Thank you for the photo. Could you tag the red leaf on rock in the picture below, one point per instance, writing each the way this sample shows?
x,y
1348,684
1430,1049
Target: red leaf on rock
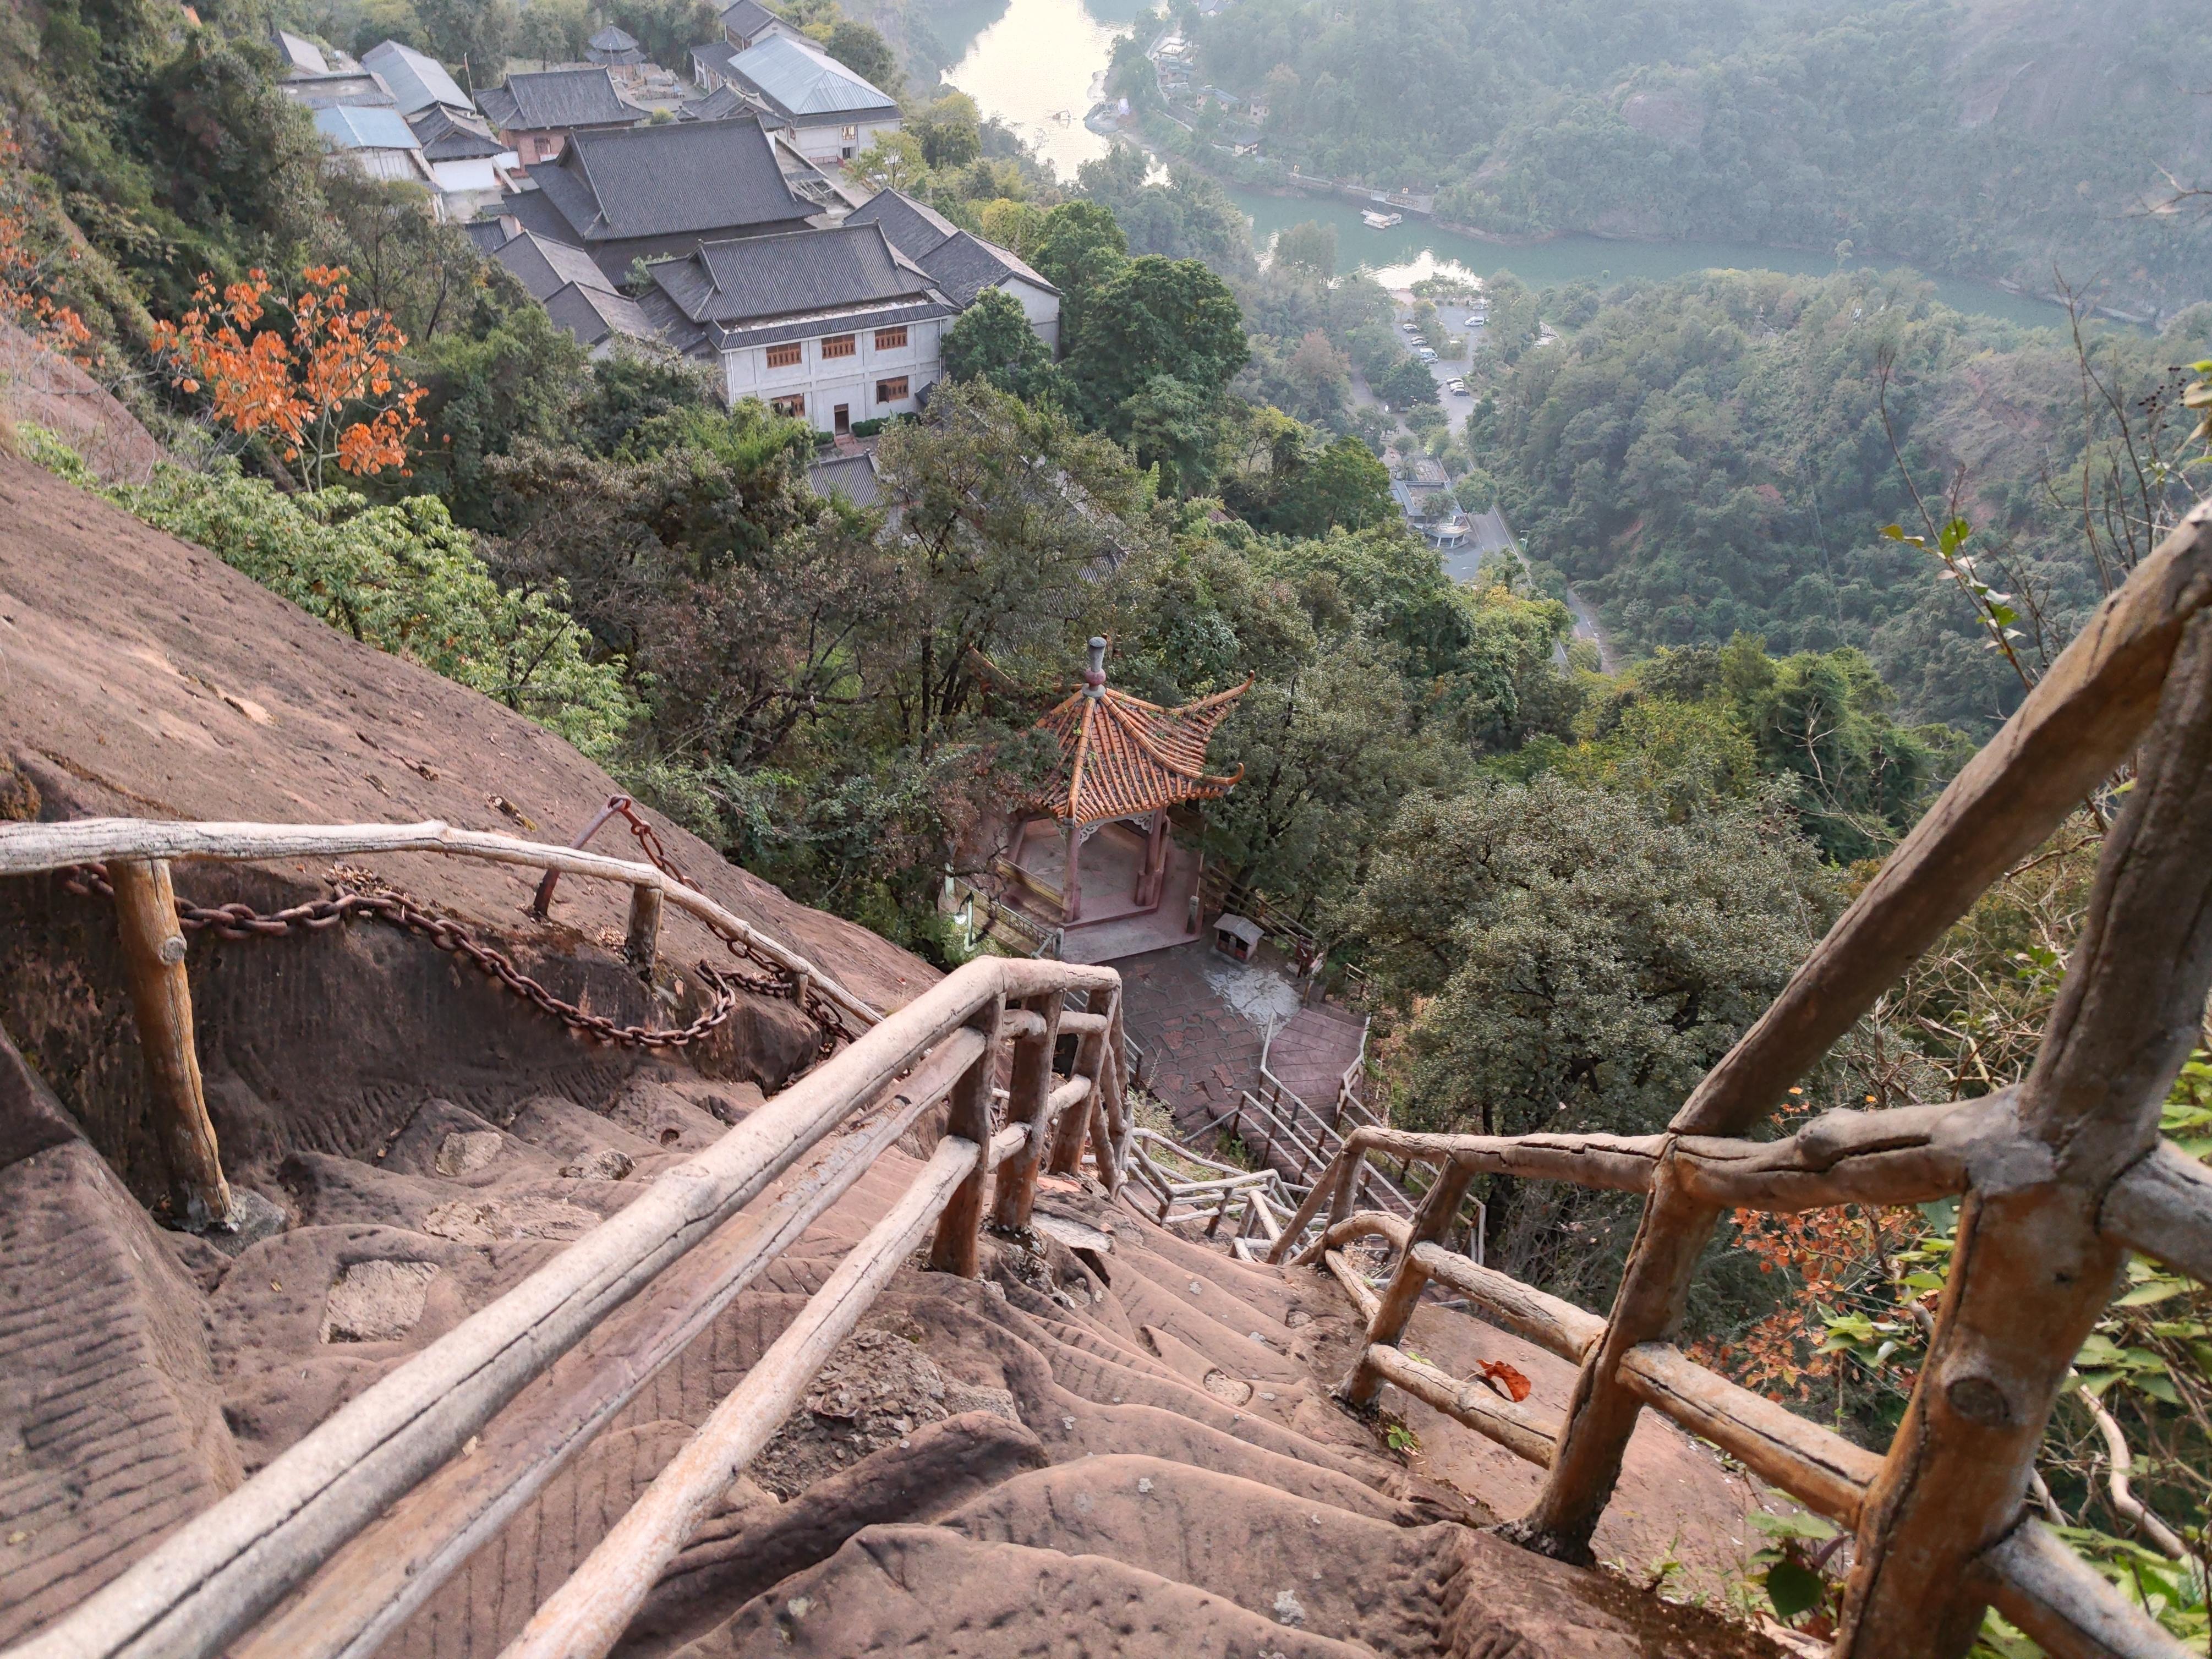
x,y
1504,1378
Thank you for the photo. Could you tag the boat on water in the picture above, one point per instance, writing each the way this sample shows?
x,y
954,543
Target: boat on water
x,y
1375,220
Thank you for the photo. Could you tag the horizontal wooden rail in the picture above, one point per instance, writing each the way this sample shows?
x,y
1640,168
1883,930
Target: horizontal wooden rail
x,y
2061,1602
206,1583
1362,1294
1555,1325
588,1613
30,848
1513,1426
2034,1579
372,1585
1817,1466
2162,1206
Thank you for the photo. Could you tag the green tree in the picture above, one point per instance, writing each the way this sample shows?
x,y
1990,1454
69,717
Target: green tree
x,y
1010,516
1309,247
992,341
666,30
865,52
893,161
469,34
1326,757
554,31
1580,962
1174,427
1343,486
1152,317
1407,385
1080,249
949,131
404,579
510,376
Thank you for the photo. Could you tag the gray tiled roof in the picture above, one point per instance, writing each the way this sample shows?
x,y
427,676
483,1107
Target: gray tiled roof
x,y
680,179
558,101
301,56
723,104
415,80
914,229
611,39
532,210
490,235
964,265
446,137
546,267
801,81
759,278
852,476
714,56
591,314
810,325
747,18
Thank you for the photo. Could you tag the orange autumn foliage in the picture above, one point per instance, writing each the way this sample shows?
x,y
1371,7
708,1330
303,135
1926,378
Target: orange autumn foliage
x,y
24,299
1834,1254
325,390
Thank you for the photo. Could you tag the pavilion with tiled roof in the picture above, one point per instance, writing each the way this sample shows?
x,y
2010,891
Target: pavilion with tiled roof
x,y
1121,757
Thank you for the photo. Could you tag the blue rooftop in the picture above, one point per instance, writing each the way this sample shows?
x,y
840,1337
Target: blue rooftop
x,y
353,128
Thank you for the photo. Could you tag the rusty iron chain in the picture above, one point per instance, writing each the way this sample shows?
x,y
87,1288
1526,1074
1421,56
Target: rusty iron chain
x,y
240,922
811,1002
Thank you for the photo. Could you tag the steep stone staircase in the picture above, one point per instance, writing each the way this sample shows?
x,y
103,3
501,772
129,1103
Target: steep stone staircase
x,y
1114,1441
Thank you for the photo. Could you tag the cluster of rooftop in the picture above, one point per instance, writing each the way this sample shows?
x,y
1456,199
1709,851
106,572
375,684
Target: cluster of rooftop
x,y
729,233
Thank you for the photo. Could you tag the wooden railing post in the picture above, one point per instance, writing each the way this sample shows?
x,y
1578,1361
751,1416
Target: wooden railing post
x,y
1363,1383
641,942
1090,1062
1029,1102
967,1114
2031,1271
2074,729
162,1002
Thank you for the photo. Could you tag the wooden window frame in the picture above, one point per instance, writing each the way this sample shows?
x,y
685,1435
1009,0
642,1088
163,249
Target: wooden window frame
x,y
885,395
840,346
891,339
791,405
790,355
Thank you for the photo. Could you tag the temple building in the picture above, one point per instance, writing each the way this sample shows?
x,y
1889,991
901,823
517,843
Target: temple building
x,y
1102,820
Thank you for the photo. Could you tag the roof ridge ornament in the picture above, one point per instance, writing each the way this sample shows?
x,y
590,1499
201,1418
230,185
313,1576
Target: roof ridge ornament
x,y
1122,756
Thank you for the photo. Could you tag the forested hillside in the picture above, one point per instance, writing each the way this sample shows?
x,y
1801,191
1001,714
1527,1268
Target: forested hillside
x,y
1712,455
1567,892
2001,138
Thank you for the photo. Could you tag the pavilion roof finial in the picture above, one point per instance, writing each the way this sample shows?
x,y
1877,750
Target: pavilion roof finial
x,y
1121,757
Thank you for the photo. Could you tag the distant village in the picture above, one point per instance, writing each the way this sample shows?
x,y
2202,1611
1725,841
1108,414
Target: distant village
x,y
711,215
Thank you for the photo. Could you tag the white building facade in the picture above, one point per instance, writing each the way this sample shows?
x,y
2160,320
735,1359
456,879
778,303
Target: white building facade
x,y
839,377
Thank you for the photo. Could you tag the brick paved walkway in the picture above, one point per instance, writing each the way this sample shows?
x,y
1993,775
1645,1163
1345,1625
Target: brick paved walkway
x,y
1310,1054
1200,1052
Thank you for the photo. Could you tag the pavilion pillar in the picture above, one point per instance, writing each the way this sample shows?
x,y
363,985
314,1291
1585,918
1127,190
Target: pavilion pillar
x,y
1071,904
1155,871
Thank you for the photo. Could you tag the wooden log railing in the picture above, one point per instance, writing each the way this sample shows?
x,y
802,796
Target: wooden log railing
x,y
2058,1178
361,1519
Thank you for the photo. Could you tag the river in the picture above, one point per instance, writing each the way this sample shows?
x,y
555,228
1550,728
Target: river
x,y
1036,65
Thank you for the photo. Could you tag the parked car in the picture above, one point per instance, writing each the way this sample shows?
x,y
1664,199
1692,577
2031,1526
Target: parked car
x,y
1409,328
1457,388
1427,355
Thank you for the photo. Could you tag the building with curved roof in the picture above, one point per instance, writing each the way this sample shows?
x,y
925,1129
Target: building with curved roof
x,y
831,112
1124,765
